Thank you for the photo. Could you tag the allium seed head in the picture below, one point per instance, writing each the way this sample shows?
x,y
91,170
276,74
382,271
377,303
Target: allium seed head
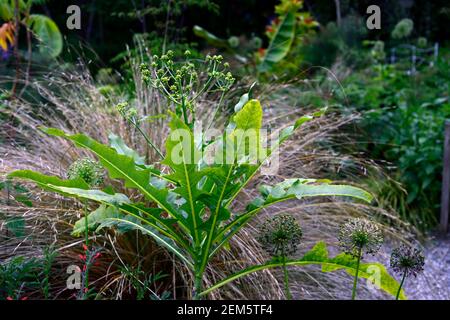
x,y
88,170
360,235
402,29
407,260
280,235
233,41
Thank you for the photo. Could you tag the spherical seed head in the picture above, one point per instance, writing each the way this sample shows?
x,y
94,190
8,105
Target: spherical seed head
x,y
360,235
88,170
280,235
422,42
407,260
233,41
403,29
256,42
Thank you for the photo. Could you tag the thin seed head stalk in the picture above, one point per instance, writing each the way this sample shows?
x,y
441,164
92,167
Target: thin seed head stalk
x,y
357,237
406,262
93,174
280,236
131,115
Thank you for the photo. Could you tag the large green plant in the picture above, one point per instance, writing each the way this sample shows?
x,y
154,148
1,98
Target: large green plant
x,y
187,199
188,210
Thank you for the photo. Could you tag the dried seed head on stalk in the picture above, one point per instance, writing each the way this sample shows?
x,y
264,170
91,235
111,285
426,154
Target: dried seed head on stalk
x,y
280,235
407,260
360,235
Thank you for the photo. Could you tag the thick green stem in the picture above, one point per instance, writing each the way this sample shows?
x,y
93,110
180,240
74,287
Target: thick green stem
x,y
400,287
183,108
355,282
198,286
286,280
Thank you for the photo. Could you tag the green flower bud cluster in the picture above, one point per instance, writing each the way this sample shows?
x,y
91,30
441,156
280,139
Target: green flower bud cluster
x,y
224,80
88,170
126,111
182,82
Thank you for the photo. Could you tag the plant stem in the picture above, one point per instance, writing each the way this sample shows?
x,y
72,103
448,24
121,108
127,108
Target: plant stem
x,y
27,72
183,108
215,111
198,283
86,240
286,280
166,29
401,285
16,46
355,282
149,142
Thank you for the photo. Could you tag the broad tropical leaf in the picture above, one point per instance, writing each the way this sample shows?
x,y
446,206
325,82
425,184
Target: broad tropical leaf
x,y
301,188
119,145
183,156
46,30
288,189
47,182
280,44
6,10
95,218
147,220
123,167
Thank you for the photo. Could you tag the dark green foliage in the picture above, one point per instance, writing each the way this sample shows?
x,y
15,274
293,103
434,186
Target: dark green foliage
x,y
16,276
14,192
403,117
323,48
21,275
